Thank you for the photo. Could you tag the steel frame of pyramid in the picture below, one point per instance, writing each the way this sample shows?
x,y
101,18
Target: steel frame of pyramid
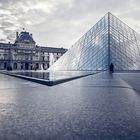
x,y
108,41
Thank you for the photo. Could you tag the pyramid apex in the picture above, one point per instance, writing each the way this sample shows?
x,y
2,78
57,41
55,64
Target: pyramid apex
x,y
109,13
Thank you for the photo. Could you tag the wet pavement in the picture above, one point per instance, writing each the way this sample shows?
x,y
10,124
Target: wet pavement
x,y
97,107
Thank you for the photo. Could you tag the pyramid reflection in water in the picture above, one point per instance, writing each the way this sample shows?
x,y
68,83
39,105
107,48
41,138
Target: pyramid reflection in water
x,y
108,41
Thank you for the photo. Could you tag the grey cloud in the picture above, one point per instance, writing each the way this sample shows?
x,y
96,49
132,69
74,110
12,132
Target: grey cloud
x,y
77,19
63,22
19,17
2,40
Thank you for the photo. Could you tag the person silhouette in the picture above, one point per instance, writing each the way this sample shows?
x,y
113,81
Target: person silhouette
x,y
111,68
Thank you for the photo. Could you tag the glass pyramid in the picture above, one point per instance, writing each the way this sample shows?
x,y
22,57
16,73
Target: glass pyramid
x,y
108,41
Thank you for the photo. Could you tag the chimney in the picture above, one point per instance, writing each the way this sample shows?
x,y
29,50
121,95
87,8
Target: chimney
x,y
16,35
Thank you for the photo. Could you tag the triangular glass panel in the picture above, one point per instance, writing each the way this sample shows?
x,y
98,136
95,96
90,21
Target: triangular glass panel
x,y
124,45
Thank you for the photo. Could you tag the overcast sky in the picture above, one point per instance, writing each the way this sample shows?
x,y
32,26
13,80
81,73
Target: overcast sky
x,y
60,23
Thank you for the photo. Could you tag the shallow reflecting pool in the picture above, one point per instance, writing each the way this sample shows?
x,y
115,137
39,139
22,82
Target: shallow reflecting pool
x,y
53,75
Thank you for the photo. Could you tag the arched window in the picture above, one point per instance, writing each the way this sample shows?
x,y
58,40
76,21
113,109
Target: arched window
x,y
15,66
26,66
5,65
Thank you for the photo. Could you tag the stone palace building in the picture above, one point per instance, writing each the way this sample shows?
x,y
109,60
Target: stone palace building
x,y
24,54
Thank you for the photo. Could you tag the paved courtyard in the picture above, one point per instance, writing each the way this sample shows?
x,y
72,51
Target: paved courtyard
x,y
97,107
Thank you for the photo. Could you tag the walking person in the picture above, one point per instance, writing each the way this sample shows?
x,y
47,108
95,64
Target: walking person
x,y
111,68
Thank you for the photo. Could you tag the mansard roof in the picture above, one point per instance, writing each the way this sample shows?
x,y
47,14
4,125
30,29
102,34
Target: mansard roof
x,y
25,37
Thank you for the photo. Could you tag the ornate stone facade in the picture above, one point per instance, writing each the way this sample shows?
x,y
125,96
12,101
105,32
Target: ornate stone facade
x,y
24,54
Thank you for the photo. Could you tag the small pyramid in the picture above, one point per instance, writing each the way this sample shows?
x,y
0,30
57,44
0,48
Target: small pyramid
x,y
108,41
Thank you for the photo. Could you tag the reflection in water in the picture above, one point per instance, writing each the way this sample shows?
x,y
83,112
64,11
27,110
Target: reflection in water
x,y
53,75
